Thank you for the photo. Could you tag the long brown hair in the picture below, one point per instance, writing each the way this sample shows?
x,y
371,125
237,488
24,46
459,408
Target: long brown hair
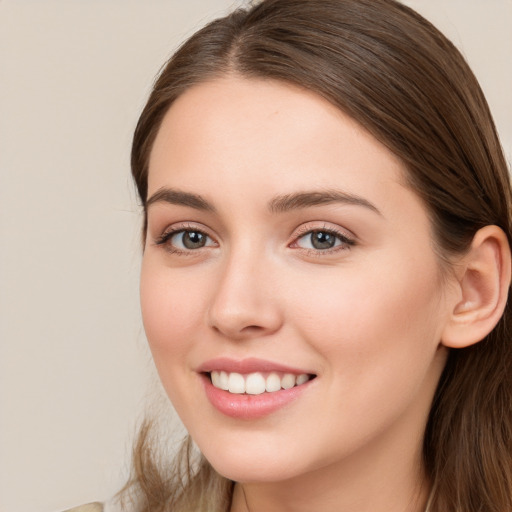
x,y
400,78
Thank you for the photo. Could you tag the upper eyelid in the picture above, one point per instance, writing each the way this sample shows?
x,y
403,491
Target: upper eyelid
x,y
309,227
347,238
186,226
299,232
165,236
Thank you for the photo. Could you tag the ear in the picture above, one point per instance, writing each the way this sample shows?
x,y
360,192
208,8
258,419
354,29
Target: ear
x,y
482,289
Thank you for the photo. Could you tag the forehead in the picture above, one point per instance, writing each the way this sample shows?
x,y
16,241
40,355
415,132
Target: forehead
x,y
242,132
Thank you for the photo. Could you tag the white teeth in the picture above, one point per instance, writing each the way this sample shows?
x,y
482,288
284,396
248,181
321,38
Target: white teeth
x,y
223,381
288,381
256,383
273,383
301,379
216,379
236,383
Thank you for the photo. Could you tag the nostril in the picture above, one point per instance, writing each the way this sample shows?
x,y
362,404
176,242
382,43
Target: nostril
x,y
252,328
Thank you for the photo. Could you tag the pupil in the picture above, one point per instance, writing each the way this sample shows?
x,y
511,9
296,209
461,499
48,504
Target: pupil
x,y
322,240
193,239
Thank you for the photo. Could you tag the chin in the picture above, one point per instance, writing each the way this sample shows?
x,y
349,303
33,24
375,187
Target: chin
x,y
256,464
254,473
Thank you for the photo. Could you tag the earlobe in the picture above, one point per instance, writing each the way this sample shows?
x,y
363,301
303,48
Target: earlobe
x,y
483,285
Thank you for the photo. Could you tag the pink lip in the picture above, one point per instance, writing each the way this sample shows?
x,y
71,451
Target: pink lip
x,y
245,366
243,406
250,407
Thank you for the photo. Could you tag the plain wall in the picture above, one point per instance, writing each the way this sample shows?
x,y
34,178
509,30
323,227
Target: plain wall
x,y
74,368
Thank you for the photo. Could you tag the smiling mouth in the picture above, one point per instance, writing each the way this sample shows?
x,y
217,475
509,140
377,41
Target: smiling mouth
x,y
256,383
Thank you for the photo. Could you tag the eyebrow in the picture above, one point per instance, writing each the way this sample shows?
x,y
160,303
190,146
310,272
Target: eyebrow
x,y
173,196
279,204
299,200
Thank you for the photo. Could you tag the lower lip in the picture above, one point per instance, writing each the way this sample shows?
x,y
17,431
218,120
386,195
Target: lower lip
x,y
250,407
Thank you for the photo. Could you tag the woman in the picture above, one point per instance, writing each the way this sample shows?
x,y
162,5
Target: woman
x,y
326,267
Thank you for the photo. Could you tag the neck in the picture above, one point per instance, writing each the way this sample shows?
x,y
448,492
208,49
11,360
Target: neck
x,y
365,482
291,497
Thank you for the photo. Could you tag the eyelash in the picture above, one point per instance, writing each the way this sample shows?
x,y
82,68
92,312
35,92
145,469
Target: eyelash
x,y
165,238
346,242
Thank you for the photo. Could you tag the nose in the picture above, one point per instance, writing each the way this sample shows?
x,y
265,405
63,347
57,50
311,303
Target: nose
x,y
244,303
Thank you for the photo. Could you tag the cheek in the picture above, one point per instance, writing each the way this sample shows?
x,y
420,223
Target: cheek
x,y
171,306
373,315
171,309
378,335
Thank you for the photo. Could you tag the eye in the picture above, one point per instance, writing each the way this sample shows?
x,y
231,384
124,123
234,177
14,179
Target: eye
x,y
189,239
323,240
183,240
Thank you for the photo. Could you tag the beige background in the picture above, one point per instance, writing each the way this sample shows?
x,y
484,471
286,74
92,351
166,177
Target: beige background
x,y
74,369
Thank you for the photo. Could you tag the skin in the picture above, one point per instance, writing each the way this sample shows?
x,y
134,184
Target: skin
x,y
366,318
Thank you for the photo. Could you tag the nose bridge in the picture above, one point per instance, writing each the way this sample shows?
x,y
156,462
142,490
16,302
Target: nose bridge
x,y
244,304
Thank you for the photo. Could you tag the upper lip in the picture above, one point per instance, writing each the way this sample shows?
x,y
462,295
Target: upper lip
x,y
245,366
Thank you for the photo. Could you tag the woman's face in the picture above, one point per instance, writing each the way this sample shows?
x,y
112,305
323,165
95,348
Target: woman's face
x,y
283,249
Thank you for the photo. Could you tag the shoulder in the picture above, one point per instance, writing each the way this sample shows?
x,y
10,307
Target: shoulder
x,y
90,507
